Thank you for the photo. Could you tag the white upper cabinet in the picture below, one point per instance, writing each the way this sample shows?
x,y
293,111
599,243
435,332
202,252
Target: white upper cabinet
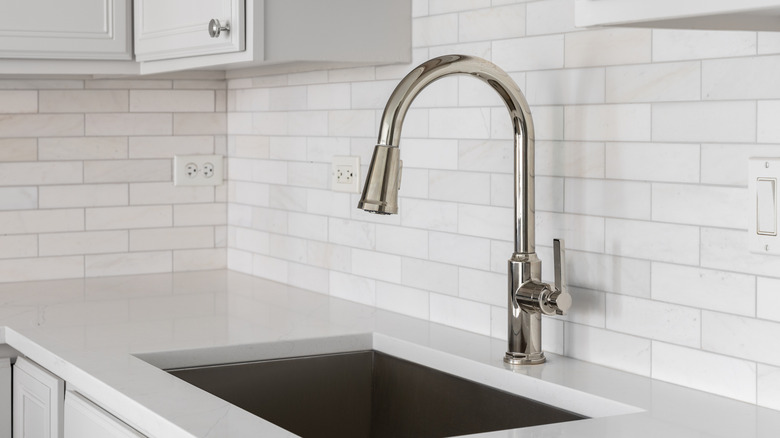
x,y
680,14
166,29
66,29
288,35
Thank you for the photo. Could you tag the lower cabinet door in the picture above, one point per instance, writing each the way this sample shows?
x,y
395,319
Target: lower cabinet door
x,y
37,401
84,419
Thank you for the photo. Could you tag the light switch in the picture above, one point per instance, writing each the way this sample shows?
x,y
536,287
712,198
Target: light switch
x,y
766,206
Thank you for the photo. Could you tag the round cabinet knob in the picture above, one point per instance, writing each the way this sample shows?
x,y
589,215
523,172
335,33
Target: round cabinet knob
x,y
215,28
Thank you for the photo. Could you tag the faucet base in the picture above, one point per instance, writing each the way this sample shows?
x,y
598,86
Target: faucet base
x,y
524,359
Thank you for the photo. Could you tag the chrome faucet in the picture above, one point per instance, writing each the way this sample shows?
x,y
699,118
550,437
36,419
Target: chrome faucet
x,y
529,297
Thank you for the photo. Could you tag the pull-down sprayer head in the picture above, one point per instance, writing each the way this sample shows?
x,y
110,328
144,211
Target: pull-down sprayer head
x,y
380,194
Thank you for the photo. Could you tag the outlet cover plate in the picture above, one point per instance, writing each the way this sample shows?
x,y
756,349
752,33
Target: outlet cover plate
x,y
197,170
345,174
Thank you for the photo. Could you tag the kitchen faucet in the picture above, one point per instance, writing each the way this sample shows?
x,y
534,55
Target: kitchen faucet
x,y
529,297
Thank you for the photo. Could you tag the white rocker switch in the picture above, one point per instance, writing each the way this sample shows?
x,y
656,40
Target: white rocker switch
x,y
766,206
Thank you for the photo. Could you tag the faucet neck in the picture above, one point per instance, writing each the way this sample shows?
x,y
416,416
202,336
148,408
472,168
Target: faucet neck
x,y
519,112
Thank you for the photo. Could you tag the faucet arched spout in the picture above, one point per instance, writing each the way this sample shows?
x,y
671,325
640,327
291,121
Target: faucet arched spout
x,y
528,296
383,182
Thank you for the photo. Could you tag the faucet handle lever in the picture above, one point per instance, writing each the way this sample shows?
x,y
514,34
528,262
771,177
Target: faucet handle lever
x,y
557,300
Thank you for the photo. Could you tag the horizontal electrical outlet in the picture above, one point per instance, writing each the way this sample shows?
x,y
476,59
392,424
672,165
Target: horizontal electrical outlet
x,y
346,174
197,170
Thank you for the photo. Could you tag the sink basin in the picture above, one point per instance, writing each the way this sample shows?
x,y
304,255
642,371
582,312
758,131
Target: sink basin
x,y
367,394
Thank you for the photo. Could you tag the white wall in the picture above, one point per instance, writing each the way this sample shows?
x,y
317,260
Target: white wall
x,y
642,145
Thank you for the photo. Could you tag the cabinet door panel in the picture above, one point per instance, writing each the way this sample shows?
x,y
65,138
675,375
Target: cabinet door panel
x,y
37,401
84,419
168,29
65,29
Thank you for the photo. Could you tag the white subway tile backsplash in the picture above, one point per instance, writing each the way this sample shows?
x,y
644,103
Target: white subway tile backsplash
x,y
613,349
703,205
199,123
428,275
167,193
85,195
675,44
18,101
768,391
44,173
106,171
767,130
353,288
83,101
608,122
18,149
538,53
408,242
401,299
569,227
572,159
113,124
718,122
486,221
492,23
90,242
444,6
452,311
482,286
613,46
459,186
171,238
607,273
565,87
41,268
457,249
435,30
653,319
103,265
552,16
767,298
683,366
82,148
653,162
654,83
654,241
117,218
352,233
431,215
18,198
739,336
41,221
371,264
718,247
740,78
704,288
624,199
19,246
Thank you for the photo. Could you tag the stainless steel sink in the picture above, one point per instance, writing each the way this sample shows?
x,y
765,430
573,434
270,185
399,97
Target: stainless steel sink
x,y
367,394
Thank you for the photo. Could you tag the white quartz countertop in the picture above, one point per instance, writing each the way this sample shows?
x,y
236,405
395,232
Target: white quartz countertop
x,y
100,335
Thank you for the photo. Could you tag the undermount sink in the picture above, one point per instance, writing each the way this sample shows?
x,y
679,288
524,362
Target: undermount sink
x,y
367,394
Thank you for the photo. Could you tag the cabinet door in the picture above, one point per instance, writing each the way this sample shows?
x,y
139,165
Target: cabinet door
x,y
169,29
84,419
65,29
37,401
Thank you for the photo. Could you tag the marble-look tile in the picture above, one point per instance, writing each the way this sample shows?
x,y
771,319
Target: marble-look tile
x,y
622,122
623,199
83,101
682,366
700,205
655,320
731,121
616,350
653,162
739,336
463,314
539,53
654,83
492,23
430,276
18,198
704,288
402,299
613,46
677,44
565,87
628,238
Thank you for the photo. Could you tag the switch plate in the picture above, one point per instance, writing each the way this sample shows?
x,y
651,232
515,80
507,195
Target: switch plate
x,y
763,208
197,170
346,174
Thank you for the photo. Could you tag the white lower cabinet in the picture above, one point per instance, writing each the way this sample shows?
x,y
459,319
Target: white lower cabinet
x,y
84,419
37,401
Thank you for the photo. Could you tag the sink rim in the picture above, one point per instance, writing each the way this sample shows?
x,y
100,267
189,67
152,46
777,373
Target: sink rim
x,y
525,381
